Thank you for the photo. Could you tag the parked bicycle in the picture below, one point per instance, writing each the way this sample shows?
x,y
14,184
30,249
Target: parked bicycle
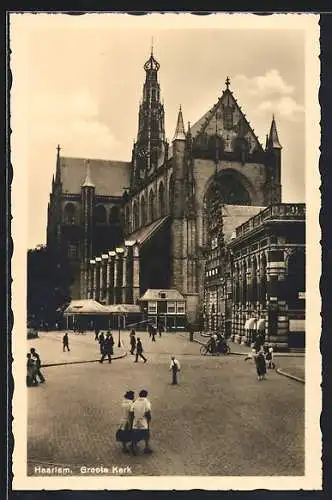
x,y
218,348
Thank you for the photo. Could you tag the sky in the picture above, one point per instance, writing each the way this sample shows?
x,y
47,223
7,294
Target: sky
x,y
82,79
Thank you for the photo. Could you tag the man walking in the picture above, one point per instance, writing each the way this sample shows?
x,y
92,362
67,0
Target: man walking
x,y
107,349
174,368
36,358
132,341
153,333
160,328
65,341
139,351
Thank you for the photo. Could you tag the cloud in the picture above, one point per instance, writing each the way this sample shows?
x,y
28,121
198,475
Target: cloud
x,y
72,120
266,85
286,107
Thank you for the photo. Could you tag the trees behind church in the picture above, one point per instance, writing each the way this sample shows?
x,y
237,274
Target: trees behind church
x,y
48,281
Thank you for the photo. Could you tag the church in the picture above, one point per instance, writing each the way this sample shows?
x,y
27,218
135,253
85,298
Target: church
x,y
166,219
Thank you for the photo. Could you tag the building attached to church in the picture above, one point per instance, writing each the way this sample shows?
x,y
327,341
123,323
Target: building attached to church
x,y
164,220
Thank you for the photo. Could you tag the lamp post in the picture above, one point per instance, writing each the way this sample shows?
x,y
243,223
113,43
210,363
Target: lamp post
x,y
119,341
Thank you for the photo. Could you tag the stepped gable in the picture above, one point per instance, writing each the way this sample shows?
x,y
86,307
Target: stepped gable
x,y
227,120
109,177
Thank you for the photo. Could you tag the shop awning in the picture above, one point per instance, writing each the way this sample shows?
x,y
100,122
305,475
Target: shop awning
x,y
260,324
86,307
250,324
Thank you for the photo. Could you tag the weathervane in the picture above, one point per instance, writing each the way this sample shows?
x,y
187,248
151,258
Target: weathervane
x,y
227,82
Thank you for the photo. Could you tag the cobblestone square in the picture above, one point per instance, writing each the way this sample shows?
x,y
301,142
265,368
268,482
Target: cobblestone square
x,y
218,421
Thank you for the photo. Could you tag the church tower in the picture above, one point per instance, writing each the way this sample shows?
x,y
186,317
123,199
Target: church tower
x,y
150,148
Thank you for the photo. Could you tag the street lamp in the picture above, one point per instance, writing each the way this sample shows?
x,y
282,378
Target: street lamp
x,y
119,341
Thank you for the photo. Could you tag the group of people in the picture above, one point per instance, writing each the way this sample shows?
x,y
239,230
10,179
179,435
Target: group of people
x,y
34,375
135,422
152,330
136,346
106,344
262,354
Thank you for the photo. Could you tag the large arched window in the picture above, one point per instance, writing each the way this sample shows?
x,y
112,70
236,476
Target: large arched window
x,y
70,214
161,199
135,216
171,193
114,215
100,214
151,206
143,211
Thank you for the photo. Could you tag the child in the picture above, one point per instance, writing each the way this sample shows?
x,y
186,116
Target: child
x,y
260,364
269,357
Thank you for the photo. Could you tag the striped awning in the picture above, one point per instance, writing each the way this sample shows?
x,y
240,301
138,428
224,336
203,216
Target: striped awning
x,y
260,324
250,324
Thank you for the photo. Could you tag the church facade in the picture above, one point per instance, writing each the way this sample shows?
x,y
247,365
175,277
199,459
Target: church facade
x,y
164,219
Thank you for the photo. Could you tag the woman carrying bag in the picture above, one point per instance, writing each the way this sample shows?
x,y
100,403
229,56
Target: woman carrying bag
x,y
124,432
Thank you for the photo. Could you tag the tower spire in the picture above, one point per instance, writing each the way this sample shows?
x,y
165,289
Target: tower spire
x,y
58,171
88,182
179,131
273,140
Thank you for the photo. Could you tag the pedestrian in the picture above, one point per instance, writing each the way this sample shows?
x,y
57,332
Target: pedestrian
x,y
139,351
175,367
101,339
36,358
124,433
153,333
31,371
65,341
141,418
160,329
150,329
107,349
96,333
269,357
191,332
260,364
132,341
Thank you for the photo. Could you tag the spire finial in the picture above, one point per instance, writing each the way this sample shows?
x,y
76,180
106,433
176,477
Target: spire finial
x,y
58,149
227,82
179,131
152,46
273,136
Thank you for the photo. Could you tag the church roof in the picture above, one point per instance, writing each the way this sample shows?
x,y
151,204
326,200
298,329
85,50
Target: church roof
x,y
211,121
145,233
159,294
109,177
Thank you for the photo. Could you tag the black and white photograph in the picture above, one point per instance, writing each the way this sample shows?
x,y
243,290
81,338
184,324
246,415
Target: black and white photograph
x,y
166,262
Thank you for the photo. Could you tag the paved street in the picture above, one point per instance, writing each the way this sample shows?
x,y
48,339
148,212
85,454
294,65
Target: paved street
x,y
219,421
